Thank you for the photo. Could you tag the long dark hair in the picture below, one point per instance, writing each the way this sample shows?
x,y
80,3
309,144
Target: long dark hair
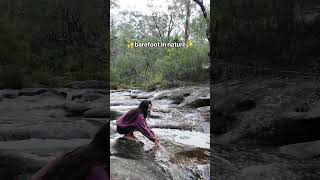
x,y
133,114
76,164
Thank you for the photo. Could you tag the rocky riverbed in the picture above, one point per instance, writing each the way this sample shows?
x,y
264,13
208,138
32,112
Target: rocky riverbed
x,y
266,129
38,124
181,122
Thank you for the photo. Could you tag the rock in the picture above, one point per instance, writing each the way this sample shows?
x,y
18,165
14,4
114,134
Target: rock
x,y
177,94
204,109
31,92
201,102
222,168
187,127
305,150
87,97
128,149
76,109
123,168
155,116
245,105
97,112
265,172
264,110
90,84
147,96
45,130
60,92
115,114
10,94
14,165
104,92
133,95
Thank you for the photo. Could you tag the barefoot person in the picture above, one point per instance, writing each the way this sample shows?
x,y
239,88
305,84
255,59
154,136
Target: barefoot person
x,y
84,163
135,120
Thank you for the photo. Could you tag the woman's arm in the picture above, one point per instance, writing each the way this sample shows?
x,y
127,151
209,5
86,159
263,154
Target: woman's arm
x,y
144,129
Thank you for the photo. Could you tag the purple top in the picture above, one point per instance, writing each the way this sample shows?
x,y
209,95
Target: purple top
x,y
96,172
140,124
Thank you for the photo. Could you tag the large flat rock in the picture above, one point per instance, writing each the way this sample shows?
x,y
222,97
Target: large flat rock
x,y
305,150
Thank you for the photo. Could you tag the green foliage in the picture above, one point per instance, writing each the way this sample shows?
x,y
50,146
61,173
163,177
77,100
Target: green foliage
x,y
151,68
275,33
185,64
60,38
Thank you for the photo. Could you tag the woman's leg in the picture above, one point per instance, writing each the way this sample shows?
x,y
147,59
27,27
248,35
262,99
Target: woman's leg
x,y
127,131
130,135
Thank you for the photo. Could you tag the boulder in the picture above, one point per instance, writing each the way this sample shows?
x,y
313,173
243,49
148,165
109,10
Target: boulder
x,y
87,97
264,111
31,92
305,150
97,112
76,109
200,102
274,171
10,94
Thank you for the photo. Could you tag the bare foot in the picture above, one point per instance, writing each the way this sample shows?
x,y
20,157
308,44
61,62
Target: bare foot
x,y
130,137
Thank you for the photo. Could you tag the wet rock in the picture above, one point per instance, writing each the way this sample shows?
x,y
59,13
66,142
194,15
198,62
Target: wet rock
x,y
10,94
196,155
97,112
66,130
31,92
177,94
123,168
88,97
306,150
14,165
128,149
265,172
245,105
103,92
133,95
204,109
222,168
188,127
146,96
60,92
163,110
265,111
155,116
76,109
198,103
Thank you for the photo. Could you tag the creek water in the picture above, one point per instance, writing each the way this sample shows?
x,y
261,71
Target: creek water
x,y
183,132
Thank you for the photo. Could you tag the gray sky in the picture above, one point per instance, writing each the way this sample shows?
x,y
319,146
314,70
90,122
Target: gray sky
x,y
141,5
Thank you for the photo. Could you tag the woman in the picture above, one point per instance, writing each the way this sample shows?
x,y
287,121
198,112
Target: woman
x,y
135,119
84,163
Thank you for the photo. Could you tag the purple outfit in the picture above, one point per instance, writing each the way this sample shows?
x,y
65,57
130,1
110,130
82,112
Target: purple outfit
x,y
96,172
139,124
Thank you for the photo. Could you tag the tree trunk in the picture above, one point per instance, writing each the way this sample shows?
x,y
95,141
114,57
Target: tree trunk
x,y
186,28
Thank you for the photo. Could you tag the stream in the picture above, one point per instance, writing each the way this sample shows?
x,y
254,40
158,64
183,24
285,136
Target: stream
x,y
183,132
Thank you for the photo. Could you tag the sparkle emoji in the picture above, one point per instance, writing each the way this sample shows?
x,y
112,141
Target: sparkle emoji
x,y
189,44
130,45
